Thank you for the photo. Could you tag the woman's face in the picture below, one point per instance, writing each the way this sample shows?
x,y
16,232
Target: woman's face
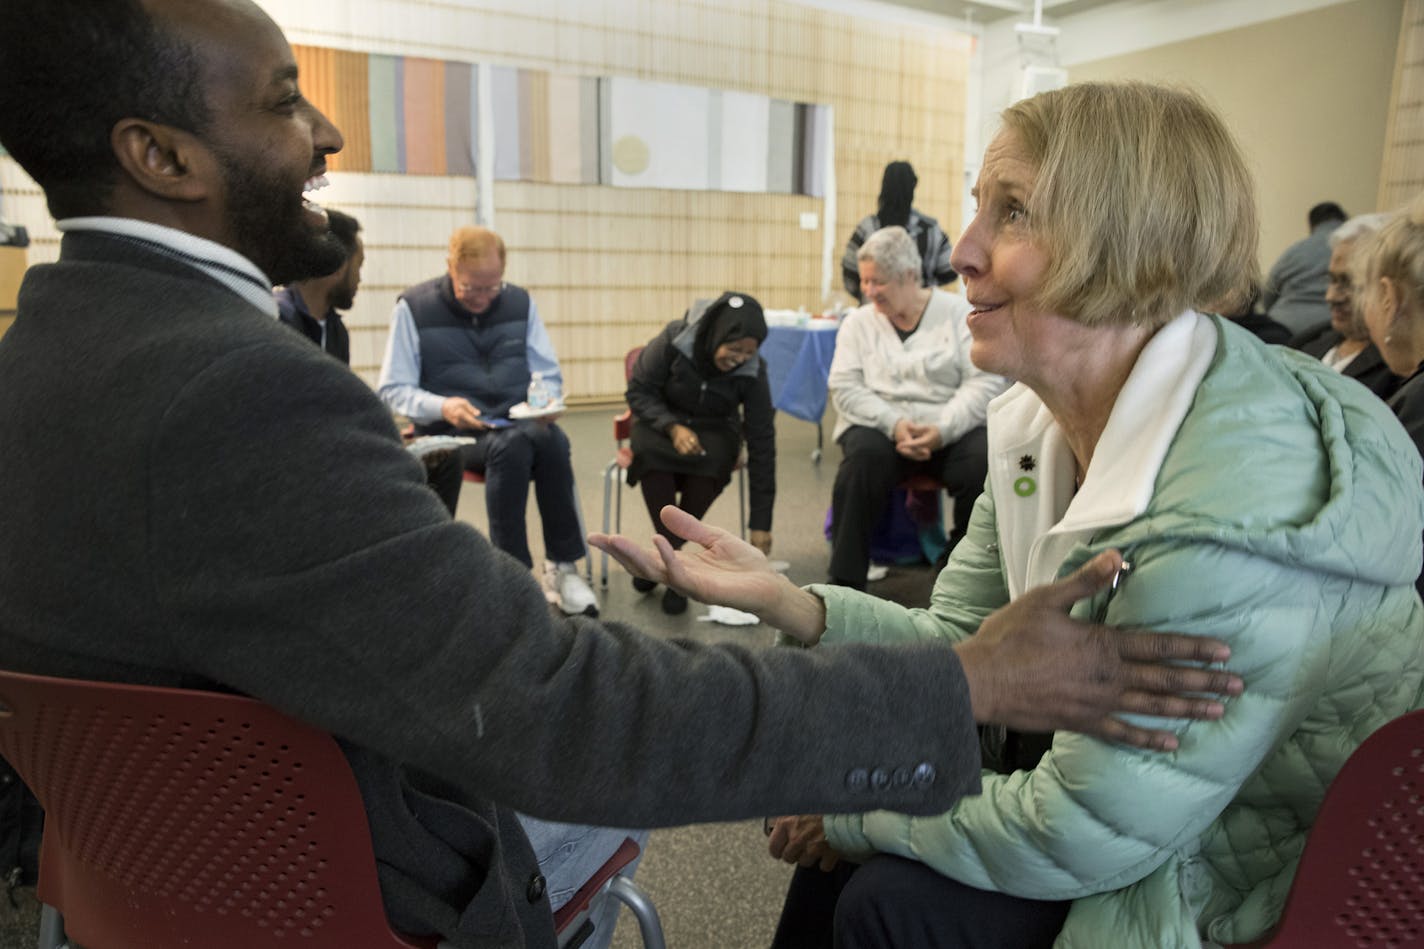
x,y
892,295
1003,268
732,354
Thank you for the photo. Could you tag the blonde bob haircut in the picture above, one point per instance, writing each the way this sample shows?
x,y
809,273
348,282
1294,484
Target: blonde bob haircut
x,y
472,243
1142,203
1395,251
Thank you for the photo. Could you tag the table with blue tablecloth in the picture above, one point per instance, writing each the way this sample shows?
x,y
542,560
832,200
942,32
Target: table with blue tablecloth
x,y
798,362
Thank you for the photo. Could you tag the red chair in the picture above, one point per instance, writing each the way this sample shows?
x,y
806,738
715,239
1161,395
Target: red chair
x,y
1361,877
616,472
184,818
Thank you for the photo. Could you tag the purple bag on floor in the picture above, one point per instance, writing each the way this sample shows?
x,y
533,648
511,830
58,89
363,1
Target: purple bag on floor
x,y
910,531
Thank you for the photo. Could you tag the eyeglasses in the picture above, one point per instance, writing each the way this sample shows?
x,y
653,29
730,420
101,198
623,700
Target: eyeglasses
x,y
467,290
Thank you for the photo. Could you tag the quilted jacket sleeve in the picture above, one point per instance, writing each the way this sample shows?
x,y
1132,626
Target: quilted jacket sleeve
x,y
1094,817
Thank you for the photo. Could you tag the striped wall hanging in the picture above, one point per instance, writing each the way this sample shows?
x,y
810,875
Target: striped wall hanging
x,y
417,116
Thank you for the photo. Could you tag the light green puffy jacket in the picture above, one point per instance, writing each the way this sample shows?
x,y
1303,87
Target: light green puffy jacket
x,y
1286,520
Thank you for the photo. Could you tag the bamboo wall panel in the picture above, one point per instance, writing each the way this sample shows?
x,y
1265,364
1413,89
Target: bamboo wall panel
x,y
1402,175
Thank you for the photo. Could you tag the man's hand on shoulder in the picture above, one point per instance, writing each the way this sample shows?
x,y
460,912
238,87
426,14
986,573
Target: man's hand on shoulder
x,y
1033,668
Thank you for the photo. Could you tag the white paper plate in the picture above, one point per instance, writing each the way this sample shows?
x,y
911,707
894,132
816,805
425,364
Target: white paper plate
x,y
523,411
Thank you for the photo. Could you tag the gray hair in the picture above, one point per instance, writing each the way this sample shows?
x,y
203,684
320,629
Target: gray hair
x,y
1361,225
892,250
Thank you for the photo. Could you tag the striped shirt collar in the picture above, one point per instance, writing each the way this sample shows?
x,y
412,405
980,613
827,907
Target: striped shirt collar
x,y
223,264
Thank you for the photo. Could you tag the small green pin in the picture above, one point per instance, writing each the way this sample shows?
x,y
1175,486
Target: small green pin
x,y
1025,486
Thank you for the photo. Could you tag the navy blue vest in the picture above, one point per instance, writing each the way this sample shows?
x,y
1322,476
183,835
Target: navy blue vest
x,y
482,358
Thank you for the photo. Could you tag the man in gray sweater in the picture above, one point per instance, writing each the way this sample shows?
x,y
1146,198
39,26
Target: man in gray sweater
x,y
247,519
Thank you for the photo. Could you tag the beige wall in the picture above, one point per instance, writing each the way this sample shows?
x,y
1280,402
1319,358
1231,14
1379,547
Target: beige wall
x,y
1307,96
1403,175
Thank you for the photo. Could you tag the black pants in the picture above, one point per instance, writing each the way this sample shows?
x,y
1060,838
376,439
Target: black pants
x,y
661,488
445,473
510,458
893,903
870,469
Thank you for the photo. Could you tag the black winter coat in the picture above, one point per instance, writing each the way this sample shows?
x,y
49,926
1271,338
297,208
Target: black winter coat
x,y
666,388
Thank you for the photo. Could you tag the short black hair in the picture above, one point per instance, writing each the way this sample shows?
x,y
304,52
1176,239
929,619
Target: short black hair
x,y
70,70
1325,211
345,228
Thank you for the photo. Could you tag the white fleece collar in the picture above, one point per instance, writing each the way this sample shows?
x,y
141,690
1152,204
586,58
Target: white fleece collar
x,y
1031,469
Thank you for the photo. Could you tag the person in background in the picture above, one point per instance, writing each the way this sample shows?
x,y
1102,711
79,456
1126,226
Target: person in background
x,y
1249,318
1295,288
1387,269
908,400
1344,343
897,196
299,302
697,389
1254,491
463,350
313,307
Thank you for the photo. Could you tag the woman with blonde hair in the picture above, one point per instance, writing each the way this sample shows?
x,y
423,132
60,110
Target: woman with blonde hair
x,y
1257,494
1388,270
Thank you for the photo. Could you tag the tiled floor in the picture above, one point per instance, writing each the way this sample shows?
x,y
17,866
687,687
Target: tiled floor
x,y
714,885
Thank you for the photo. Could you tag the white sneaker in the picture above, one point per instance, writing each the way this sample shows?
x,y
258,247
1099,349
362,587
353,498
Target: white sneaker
x,y
566,588
876,572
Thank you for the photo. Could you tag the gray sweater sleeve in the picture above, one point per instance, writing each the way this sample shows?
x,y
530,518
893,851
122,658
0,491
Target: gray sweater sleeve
x,y
300,558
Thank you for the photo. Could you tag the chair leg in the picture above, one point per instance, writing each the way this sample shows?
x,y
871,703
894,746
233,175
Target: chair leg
x,y
619,483
609,473
51,928
632,896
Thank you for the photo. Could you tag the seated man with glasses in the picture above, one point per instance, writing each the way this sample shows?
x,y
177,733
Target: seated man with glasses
x,y
462,352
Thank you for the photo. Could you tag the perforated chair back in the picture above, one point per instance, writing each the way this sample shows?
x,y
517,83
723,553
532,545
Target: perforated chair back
x,y
630,359
1361,876
184,818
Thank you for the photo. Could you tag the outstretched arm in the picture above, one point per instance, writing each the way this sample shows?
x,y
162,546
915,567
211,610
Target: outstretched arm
x,y
1031,666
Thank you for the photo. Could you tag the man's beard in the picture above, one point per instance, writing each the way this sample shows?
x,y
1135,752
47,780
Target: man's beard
x,y
271,230
342,297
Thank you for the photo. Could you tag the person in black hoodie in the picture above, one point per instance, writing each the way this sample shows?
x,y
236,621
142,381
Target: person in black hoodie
x,y
697,389
897,195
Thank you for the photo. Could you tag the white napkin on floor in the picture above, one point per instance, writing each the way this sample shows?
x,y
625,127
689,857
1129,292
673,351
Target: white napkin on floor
x,y
728,617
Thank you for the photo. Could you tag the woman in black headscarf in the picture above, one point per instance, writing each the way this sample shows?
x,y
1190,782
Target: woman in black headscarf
x,y
897,195
696,390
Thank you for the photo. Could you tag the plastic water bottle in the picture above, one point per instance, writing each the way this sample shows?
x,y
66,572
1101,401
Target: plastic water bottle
x,y
539,396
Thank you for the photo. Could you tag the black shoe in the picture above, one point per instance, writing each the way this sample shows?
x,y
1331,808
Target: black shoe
x,y
643,586
674,602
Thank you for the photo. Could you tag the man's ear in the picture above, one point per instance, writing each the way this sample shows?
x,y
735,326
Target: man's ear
x,y
166,162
